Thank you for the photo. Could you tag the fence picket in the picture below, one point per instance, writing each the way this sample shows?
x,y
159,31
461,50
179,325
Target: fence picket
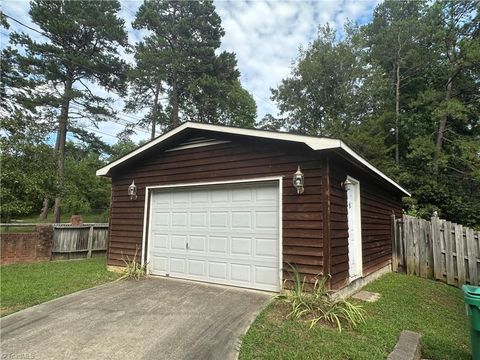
x,y
472,257
422,248
460,254
429,247
449,253
437,249
410,246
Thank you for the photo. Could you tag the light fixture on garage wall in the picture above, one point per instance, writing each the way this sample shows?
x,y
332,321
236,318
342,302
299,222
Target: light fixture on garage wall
x,y
298,181
132,191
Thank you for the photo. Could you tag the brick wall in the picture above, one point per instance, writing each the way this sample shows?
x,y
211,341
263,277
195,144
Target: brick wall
x,y
27,247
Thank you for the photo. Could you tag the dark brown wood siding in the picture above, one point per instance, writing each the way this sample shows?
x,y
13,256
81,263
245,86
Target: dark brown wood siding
x,y
240,159
377,201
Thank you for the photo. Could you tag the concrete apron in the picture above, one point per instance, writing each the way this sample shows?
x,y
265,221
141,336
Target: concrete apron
x,y
156,318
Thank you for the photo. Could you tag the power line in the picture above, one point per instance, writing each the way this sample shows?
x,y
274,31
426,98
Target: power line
x,y
116,120
101,132
21,23
82,65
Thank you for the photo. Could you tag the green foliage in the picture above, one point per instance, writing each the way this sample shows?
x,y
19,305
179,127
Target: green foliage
x,y
434,309
319,305
25,285
83,190
27,166
176,62
409,77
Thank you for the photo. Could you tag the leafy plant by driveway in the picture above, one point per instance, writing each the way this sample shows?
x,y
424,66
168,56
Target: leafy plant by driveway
x,y
318,305
133,268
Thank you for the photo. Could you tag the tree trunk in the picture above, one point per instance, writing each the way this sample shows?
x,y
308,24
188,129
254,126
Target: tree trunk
x,y
46,200
397,113
45,206
61,140
442,126
155,110
174,116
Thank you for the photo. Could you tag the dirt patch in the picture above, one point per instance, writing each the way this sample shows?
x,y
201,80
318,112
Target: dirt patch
x,y
278,312
7,310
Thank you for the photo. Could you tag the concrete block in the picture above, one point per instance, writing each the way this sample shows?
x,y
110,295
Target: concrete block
x,y
407,348
366,296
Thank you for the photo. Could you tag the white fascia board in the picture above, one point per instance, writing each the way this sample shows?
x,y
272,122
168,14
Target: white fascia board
x,y
371,167
315,143
104,170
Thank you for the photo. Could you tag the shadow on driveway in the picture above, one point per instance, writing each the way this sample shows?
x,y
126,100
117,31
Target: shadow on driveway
x,y
156,318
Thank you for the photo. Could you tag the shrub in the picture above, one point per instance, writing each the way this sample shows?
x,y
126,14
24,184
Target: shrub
x,y
318,305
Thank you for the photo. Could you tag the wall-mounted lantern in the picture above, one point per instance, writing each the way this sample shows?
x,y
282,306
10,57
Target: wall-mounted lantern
x,y
132,191
298,181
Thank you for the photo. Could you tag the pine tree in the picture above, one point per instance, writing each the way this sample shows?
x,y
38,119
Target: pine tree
x,y
82,47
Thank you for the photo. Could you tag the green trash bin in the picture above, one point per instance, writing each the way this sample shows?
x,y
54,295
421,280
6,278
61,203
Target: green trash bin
x,y
472,303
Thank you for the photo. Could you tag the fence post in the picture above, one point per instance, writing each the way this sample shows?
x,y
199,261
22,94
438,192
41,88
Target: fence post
x,y
90,242
395,243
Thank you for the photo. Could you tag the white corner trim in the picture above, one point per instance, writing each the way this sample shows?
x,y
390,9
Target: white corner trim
x,y
315,143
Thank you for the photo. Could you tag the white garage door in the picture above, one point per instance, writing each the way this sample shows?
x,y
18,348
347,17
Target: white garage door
x,y
226,234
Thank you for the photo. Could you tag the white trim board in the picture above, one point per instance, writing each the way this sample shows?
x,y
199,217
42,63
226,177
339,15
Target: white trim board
x,y
315,143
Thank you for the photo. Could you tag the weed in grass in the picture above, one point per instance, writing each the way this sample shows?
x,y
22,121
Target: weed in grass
x,y
318,305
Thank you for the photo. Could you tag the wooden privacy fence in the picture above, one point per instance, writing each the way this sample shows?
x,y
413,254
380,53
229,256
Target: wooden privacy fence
x,y
436,249
77,241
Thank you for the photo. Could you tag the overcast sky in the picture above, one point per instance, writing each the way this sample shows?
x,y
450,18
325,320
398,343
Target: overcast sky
x,y
265,35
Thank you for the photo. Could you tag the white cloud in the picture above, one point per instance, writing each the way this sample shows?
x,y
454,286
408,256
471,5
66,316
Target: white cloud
x,y
265,35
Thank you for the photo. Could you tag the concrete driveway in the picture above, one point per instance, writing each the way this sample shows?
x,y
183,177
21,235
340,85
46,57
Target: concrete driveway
x,y
156,318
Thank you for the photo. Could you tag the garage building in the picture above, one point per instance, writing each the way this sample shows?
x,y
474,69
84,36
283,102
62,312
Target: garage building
x,y
235,206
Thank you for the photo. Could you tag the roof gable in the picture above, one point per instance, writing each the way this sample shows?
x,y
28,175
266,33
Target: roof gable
x,y
315,143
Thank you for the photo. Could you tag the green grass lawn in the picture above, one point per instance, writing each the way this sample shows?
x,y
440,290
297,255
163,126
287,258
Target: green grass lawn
x,y
24,285
434,309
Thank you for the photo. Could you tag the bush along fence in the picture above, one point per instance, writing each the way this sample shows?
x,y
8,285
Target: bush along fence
x,y
53,242
436,249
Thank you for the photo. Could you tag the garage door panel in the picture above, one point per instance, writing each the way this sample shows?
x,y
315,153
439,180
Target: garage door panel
x,y
265,275
227,234
178,242
217,270
219,196
197,243
240,273
218,244
177,265
266,194
242,195
241,246
197,268
199,197
266,220
241,220
160,241
266,247
179,219
160,263
219,219
181,197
